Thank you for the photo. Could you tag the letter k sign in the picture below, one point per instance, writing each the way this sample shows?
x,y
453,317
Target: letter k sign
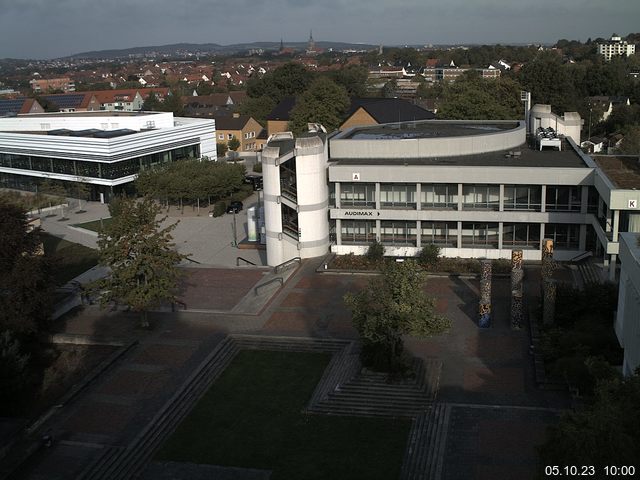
x,y
633,204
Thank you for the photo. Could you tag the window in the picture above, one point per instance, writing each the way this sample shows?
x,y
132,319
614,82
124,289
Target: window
x,y
564,236
479,235
481,197
398,195
229,136
398,232
522,197
439,233
357,232
521,235
221,136
444,195
563,199
360,195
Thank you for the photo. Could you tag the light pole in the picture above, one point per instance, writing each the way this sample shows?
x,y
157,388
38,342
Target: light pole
x,y
234,228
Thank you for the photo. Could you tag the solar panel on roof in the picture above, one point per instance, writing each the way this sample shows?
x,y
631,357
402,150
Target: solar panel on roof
x,y
12,106
72,100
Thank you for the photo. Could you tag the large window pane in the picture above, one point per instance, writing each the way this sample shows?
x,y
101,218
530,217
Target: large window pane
x,y
481,197
564,236
398,195
398,233
480,235
444,195
440,233
563,199
357,232
522,197
521,235
361,195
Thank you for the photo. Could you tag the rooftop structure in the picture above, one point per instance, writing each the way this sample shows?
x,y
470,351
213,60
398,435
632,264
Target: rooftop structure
x,y
105,150
616,47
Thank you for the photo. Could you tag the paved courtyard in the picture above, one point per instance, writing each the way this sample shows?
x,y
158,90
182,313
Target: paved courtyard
x,y
496,415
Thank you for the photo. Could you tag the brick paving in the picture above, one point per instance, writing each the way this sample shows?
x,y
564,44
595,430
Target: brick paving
x,y
217,288
480,367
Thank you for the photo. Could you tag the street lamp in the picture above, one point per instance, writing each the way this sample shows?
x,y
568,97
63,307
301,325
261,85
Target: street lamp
x,y
235,230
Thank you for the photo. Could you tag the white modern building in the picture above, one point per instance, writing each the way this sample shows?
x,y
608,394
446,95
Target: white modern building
x,y
616,47
477,189
105,150
627,323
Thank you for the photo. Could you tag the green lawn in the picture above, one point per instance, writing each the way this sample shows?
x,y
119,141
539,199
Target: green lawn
x,y
252,417
70,259
95,225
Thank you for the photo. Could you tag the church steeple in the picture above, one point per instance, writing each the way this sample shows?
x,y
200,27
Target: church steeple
x,y
311,48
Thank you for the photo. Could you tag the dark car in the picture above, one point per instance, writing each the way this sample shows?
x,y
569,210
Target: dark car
x,y
234,207
254,180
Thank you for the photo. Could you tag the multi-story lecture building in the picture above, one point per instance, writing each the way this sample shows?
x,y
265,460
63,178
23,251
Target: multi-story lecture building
x,y
105,150
474,188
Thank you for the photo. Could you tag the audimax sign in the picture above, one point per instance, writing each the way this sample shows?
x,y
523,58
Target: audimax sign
x,y
361,213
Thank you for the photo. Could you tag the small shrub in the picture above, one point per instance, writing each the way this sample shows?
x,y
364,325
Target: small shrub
x,y
115,206
219,208
375,253
257,167
428,256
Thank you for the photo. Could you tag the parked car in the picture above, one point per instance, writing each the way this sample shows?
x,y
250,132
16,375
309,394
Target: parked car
x,y
234,207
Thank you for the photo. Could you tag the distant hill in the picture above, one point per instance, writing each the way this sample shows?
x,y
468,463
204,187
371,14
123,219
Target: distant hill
x,y
183,49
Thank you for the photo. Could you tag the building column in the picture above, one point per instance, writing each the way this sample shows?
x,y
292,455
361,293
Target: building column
x,y
543,198
612,268
460,190
501,200
459,234
337,194
419,233
500,232
418,196
542,235
338,231
377,197
378,233
584,204
616,224
582,238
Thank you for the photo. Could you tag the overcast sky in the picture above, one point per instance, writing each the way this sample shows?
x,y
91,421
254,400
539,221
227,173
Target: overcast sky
x,y
56,28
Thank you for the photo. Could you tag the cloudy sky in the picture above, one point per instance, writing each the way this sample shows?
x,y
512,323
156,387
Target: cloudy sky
x,y
55,28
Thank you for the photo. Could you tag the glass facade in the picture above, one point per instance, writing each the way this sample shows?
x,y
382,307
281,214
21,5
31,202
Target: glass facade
x,y
359,195
481,197
479,235
440,195
398,195
106,170
564,236
521,235
398,233
563,199
523,197
357,232
444,234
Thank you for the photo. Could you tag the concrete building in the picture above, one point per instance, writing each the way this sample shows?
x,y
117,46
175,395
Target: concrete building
x,y
477,189
627,324
616,47
44,85
105,150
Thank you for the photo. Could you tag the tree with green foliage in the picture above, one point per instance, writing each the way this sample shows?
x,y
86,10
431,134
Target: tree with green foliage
x,y
392,305
151,103
428,255
323,102
234,144
353,78
173,103
25,282
606,431
375,252
13,370
141,257
222,149
258,108
286,80
550,82
631,141
471,97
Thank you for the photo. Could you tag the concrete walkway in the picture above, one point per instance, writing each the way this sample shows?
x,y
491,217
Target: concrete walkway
x,y
492,405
